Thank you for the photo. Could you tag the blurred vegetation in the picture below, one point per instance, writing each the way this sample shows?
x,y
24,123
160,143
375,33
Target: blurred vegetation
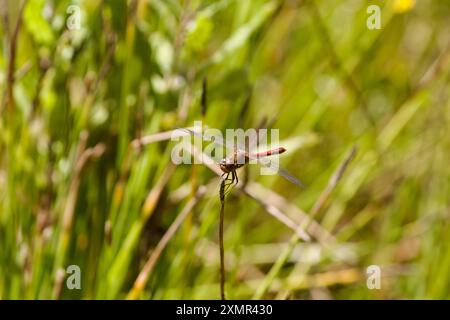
x,y
81,185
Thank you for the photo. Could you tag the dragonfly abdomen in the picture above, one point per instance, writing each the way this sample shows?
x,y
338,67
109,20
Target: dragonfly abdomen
x,y
272,152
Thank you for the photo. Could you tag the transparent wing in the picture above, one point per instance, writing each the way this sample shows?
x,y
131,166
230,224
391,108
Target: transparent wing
x,y
214,139
282,172
262,161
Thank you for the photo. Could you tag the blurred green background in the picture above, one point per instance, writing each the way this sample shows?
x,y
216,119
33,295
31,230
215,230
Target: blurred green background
x,y
86,180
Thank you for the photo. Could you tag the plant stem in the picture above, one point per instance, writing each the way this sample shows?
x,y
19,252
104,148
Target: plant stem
x,y
222,252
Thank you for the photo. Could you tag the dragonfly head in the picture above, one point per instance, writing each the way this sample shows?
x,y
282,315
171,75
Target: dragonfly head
x,y
225,165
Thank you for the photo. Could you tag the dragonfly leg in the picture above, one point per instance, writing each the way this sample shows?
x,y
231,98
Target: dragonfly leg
x,y
226,179
231,181
226,176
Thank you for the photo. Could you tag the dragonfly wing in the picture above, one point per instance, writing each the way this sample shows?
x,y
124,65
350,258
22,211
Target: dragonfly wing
x,y
285,174
282,172
215,139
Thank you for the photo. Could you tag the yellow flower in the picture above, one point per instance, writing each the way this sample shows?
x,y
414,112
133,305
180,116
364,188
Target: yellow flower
x,y
401,6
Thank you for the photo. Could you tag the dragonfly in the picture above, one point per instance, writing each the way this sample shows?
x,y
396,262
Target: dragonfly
x,y
241,157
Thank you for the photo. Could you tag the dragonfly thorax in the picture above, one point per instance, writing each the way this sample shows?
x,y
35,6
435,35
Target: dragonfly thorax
x,y
228,165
